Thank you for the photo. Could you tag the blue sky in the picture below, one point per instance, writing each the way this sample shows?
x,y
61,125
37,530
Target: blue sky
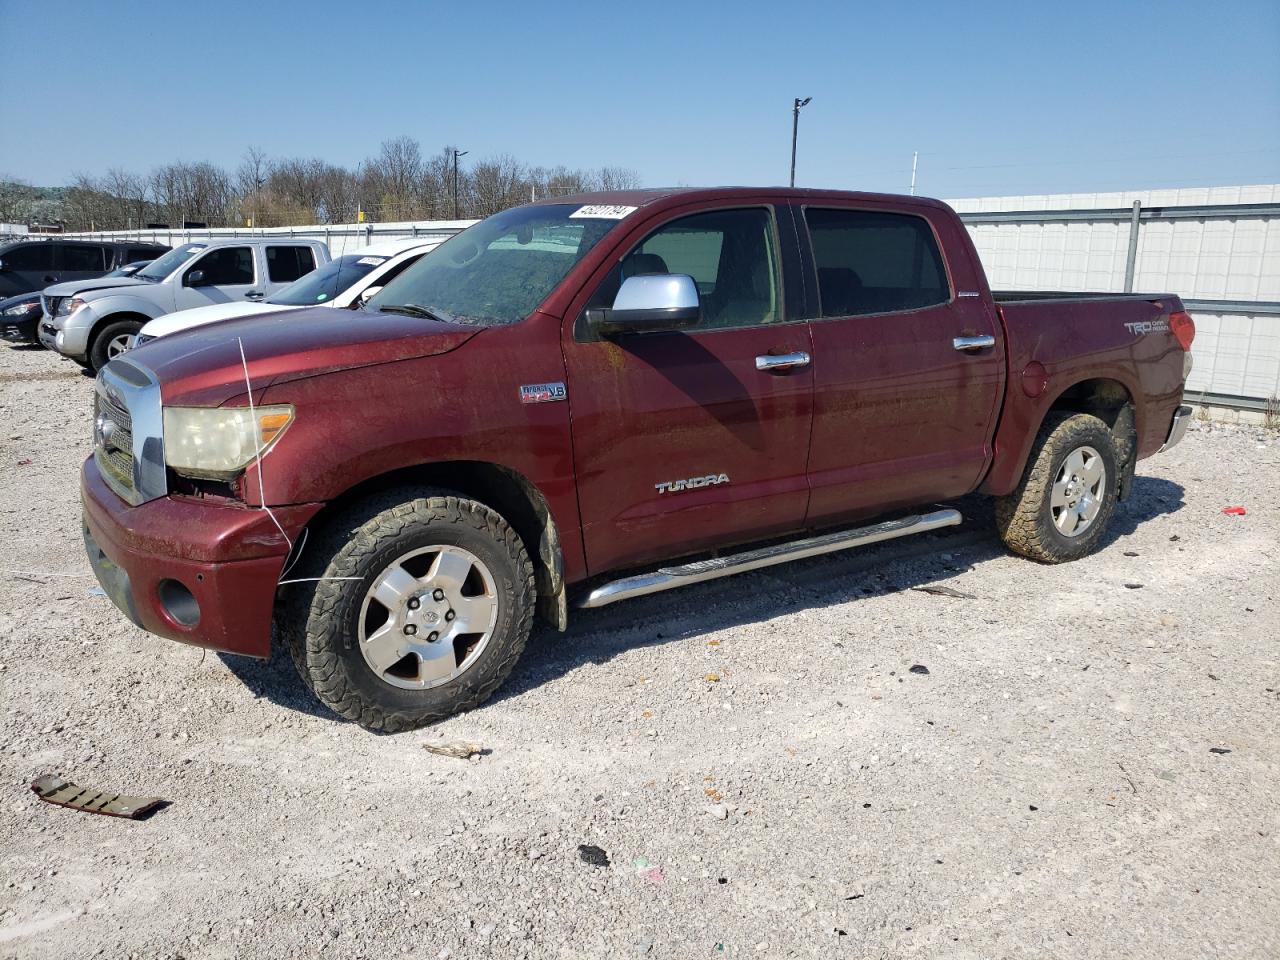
x,y
999,97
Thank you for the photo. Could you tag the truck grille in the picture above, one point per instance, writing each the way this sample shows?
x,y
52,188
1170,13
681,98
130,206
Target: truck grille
x,y
113,442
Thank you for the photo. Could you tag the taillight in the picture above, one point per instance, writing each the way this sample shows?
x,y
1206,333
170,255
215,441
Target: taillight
x,y
1183,327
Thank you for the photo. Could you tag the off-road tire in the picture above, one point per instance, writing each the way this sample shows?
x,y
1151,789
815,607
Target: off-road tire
x,y
1024,517
318,620
98,349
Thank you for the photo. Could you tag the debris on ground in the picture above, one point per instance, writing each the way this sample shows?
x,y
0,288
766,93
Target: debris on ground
x,y
590,853
919,668
462,751
53,789
719,811
1219,750
712,678
940,591
1234,511
96,592
1131,553
1133,586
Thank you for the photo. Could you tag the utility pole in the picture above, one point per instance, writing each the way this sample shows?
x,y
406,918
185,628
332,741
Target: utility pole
x,y
915,155
795,132
456,155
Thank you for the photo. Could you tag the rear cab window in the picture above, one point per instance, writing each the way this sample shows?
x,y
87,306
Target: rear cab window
x,y
872,262
286,264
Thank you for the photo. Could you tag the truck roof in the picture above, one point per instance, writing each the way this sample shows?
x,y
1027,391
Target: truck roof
x,y
652,195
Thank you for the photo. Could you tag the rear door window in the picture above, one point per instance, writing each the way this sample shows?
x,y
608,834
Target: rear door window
x,y
79,258
288,263
226,266
871,262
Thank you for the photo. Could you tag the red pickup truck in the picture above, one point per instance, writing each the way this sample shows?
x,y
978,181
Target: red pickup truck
x,y
591,398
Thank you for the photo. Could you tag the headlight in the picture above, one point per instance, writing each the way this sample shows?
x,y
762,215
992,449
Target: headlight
x,y
69,306
18,309
218,442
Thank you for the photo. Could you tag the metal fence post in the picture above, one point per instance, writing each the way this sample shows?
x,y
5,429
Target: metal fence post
x,y
368,234
1131,262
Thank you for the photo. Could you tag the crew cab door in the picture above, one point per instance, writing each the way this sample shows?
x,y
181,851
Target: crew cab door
x,y
903,411
681,442
222,275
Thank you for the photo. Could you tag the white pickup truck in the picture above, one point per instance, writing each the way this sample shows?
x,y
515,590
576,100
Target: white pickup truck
x,y
92,321
343,283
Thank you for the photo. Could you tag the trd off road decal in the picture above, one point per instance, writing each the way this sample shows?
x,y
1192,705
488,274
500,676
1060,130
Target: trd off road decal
x,y
542,392
1149,326
692,483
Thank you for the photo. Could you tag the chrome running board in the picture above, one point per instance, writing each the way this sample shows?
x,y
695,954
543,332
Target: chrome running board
x,y
668,578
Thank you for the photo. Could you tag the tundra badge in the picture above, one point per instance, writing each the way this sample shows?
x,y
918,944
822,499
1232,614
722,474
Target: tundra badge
x,y
693,483
542,392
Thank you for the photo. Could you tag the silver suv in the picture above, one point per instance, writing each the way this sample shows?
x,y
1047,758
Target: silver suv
x,y
92,321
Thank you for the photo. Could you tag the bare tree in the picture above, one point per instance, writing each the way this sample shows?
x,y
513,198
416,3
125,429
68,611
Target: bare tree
x,y
496,184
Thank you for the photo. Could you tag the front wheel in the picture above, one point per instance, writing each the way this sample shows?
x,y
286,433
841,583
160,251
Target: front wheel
x,y
111,341
1061,508
422,609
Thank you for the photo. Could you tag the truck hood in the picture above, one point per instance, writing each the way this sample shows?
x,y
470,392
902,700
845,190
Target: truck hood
x,y
198,316
202,366
86,286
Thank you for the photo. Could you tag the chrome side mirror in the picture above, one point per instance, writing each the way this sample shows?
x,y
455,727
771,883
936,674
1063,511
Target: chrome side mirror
x,y
648,304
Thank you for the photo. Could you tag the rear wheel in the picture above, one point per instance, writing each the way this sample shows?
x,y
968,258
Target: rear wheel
x,y
424,607
111,341
1061,509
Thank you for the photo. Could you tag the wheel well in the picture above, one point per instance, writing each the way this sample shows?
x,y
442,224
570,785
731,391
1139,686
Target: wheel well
x,y
519,501
1105,399
1111,402
110,319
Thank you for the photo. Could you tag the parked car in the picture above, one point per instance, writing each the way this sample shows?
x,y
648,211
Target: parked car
x,y
339,283
93,321
18,318
28,266
589,399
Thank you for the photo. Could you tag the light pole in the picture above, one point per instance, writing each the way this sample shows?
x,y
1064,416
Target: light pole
x,y
795,132
456,155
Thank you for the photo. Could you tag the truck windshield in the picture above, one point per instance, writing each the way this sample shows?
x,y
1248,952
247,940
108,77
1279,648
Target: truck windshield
x,y
324,283
499,270
171,261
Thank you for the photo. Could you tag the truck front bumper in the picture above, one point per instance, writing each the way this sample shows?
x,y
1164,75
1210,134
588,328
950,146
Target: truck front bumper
x,y
1178,428
201,573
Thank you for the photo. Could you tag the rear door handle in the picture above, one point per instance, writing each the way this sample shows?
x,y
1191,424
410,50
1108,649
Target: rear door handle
x,y
974,343
783,361
253,295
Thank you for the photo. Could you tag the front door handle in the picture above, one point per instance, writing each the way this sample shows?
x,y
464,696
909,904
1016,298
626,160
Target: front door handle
x,y
253,295
50,279
974,343
783,361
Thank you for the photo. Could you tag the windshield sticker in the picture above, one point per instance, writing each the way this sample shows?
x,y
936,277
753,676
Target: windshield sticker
x,y
372,261
602,212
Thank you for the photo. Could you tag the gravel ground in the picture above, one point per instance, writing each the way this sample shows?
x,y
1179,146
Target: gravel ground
x,y
767,771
